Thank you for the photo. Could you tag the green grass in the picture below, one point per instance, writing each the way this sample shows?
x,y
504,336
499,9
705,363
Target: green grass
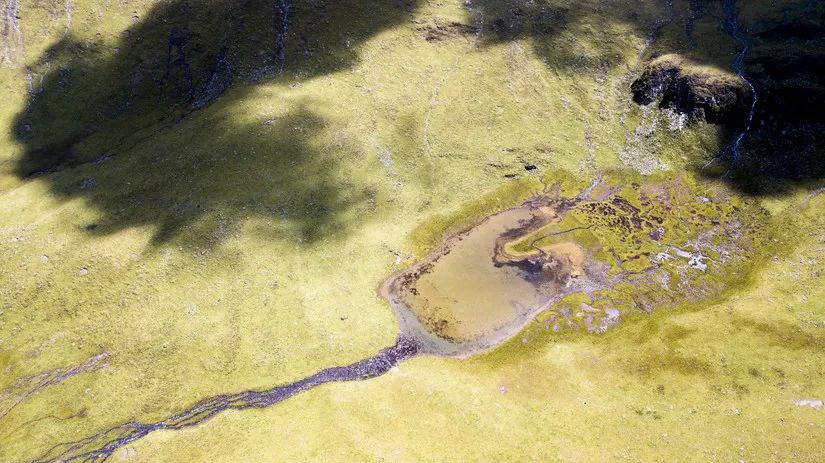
x,y
241,246
716,383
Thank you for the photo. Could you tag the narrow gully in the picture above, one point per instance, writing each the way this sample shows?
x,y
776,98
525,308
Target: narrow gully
x,y
283,7
734,29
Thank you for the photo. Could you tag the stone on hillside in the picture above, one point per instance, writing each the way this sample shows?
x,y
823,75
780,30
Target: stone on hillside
x,y
700,93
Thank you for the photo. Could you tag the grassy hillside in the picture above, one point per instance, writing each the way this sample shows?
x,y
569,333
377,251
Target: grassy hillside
x,y
196,199
718,382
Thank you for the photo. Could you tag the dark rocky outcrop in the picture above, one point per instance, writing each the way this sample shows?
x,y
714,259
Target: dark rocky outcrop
x,y
701,93
217,82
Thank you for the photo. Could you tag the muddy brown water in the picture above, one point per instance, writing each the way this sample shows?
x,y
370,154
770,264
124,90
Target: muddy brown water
x,y
473,292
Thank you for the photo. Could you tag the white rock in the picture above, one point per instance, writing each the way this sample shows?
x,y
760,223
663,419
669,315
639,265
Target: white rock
x,y
813,403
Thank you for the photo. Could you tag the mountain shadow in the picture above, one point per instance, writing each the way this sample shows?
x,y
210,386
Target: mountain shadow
x,y
92,105
786,65
89,104
779,47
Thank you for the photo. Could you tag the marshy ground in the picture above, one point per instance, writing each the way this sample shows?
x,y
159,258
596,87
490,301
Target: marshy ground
x,y
582,261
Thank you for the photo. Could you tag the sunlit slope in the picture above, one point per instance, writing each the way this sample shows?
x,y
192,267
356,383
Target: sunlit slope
x,y
175,253
241,246
721,382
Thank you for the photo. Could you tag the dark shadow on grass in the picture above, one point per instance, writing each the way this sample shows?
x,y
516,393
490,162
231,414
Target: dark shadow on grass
x,y
554,28
94,106
784,334
785,147
785,63
202,187
127,121
562,33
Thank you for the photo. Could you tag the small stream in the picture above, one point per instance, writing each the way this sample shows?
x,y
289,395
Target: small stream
x,y
734,29
101,446
484,284
510,315
283,7
484,294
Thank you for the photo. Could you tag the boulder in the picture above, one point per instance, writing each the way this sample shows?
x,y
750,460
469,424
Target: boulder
x,y
702,93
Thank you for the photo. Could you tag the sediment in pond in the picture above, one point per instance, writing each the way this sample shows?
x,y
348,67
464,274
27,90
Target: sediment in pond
x,y
473,292
586,260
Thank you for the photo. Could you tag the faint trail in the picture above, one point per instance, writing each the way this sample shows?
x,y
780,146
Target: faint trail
x,y
101,446
69,7
433,103
479,15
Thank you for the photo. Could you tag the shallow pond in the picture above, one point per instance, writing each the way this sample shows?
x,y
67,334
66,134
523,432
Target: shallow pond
x,y
473,292
586,260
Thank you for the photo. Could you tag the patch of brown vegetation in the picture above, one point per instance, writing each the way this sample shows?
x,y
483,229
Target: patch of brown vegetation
x,y
442,30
